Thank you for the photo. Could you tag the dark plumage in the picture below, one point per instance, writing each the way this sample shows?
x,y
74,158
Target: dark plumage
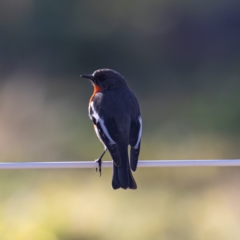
x,y
115,113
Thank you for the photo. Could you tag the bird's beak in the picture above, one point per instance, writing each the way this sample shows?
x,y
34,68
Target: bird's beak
x,y
89,76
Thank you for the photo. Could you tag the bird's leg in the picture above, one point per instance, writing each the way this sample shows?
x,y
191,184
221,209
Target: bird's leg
x,y
99,161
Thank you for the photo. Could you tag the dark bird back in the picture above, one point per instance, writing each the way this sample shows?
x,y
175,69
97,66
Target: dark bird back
x,y
115,113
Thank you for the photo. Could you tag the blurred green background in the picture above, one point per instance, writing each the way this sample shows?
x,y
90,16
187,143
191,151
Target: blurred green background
x,y
181,58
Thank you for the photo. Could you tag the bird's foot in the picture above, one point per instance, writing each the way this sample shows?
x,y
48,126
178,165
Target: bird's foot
x,y
99,169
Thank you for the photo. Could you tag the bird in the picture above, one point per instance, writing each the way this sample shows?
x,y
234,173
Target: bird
x,y
115,113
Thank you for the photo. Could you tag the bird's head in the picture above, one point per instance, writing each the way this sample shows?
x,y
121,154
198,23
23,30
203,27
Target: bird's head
x,y
106,79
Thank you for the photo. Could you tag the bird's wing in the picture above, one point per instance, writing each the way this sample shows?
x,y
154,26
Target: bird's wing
x,y
107,132
135,142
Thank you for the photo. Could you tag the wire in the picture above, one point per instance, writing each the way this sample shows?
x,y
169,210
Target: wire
x,y
108,164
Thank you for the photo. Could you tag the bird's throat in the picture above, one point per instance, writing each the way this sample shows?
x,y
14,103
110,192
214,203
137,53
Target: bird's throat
x,y
96,89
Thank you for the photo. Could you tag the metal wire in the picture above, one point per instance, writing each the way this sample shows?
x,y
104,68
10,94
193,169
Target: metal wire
x,y
108,164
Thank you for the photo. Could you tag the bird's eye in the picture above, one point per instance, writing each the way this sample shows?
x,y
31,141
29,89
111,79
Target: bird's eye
x,y
102,77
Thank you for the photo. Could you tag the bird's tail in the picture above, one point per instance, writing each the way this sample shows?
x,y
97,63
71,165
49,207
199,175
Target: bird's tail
x,y
122,175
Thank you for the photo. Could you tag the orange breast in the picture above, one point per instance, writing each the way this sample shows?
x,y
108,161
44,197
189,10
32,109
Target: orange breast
x,y
95,90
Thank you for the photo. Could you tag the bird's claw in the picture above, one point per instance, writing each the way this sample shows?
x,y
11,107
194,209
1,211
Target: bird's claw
x,y
99,161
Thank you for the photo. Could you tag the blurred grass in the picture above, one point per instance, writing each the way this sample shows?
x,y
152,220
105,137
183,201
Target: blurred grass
x,y
170,203
79,205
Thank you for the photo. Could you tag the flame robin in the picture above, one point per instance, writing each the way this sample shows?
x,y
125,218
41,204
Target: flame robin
x,y
114,111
